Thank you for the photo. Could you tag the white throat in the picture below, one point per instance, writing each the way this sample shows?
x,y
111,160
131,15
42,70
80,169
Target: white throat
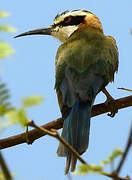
x,y
63,33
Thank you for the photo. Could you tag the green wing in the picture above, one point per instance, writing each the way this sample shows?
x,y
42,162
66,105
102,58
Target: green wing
x,y
113,50
81,53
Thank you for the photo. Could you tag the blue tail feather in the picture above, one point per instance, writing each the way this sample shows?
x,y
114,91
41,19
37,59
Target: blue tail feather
x,y
76,131
79,95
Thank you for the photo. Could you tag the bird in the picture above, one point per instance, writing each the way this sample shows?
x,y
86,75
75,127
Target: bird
x,y
86,61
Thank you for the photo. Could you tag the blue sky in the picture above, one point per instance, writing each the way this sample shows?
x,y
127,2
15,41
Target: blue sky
x,y
30,71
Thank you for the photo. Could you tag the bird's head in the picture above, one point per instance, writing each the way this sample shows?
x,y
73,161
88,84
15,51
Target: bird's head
x,y
66,23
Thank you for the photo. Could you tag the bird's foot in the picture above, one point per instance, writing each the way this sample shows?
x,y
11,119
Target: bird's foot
x,y
109,102
113,110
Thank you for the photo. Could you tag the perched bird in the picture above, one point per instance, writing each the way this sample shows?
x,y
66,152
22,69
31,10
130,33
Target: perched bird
x,y
85,63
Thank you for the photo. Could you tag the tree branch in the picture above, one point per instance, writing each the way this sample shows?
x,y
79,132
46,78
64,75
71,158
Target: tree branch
x,y
57,124
127,148
56,135
4,168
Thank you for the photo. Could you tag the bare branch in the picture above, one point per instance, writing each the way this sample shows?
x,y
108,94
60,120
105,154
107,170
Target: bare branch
x,y
56,135
125,89
57,124
4,168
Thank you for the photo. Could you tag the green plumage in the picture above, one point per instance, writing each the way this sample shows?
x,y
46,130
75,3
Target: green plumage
x,y
85,64
85,48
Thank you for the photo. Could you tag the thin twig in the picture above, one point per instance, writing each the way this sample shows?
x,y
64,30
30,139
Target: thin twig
x,y
114,176
127,148
4,168
57,124
55,134
125,89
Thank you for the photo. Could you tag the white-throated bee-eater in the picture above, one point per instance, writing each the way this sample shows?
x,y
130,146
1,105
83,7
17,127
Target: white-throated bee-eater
x,y
85,63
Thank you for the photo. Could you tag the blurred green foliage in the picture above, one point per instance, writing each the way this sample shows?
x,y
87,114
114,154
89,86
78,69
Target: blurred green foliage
x,y
5,49
4,14
19,115
2,177
31,101
7,28
8,114
5,105
99,169
117,152
13,115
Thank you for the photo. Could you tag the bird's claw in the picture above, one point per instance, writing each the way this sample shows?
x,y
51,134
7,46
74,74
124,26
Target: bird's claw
x,y
112,113
109,101
113,110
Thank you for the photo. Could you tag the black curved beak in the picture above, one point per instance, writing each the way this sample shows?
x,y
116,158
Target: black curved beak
x,y
41,31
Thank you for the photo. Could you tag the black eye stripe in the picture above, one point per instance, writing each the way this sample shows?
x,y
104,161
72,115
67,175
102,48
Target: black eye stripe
x,y
71,21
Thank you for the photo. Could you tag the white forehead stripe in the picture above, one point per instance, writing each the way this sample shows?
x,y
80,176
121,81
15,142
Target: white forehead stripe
x,y
71,13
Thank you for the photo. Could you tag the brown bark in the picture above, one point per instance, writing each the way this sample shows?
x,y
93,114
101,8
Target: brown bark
x,y
58,123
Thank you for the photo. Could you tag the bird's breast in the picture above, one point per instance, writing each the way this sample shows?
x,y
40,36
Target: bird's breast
x,y
78,54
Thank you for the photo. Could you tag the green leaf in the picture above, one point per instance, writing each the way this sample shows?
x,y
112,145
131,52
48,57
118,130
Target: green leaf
x,y
4,99
2,177
84,169
117,152
4,14
5,50
4,108
17,116
7,28
32,101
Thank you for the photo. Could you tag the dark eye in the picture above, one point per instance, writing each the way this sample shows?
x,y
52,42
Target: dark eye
x,y
68,20
72,20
